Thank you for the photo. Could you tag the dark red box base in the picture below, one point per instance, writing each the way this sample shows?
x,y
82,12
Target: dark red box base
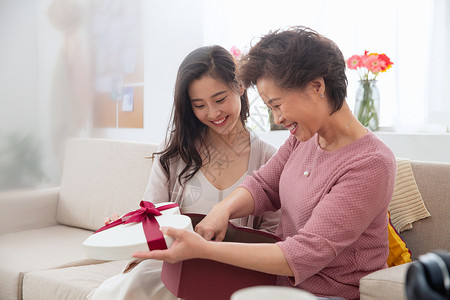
x,y
198,279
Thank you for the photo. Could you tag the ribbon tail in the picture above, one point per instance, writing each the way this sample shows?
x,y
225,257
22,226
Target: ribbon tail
x,y
155,238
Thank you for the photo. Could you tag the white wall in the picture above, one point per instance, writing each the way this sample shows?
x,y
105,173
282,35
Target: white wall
x,y
18,67
19,100
48,43
418,146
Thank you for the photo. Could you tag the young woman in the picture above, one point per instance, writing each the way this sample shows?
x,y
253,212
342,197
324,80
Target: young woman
x,y
332,179
206,155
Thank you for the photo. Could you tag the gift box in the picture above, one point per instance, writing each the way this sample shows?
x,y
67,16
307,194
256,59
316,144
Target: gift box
x,y
136,231
198,279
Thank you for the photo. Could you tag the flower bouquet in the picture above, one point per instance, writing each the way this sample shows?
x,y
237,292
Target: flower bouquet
x,y
367,101
236,52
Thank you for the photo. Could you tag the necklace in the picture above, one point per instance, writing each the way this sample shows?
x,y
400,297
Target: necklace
x,y
348,123
317,155
220,157
223,156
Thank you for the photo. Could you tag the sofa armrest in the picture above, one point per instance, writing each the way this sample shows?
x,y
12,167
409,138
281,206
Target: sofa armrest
x,y
24,210
384,284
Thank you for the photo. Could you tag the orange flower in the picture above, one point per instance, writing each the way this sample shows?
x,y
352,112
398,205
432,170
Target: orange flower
x,y
387,62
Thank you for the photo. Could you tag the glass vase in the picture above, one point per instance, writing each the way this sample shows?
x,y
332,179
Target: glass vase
x,y
367,104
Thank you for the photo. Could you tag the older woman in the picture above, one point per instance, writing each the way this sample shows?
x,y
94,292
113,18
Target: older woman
x,y
332,179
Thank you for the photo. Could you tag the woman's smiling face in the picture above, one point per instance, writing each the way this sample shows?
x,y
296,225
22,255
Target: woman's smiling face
x,y
215,104
297,110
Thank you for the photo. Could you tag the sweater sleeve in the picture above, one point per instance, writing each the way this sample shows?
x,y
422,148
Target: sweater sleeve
x,y
360,195
269,219
264,183
157,190
269,151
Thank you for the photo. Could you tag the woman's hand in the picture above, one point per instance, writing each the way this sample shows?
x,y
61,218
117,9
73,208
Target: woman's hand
x,y
238,204
113,218
186,245
214,225
262,257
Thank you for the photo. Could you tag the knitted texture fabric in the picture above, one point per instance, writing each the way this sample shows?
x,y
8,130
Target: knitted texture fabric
x,y
407,205
334,221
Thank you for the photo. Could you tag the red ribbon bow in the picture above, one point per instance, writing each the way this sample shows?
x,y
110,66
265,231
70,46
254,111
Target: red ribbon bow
x,y
146,214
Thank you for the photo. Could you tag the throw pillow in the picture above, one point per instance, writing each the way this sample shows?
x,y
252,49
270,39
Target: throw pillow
x,y
398,252
407,205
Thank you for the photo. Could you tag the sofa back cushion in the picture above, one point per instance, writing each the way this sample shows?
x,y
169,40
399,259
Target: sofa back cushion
x,y
434,232
101,177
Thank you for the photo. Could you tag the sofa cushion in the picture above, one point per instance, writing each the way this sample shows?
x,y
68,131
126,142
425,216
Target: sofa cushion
x,y
25,210
68,283
38,249
432,233
384,284
102,177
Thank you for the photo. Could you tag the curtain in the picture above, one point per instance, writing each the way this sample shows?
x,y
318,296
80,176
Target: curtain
x,y
438,84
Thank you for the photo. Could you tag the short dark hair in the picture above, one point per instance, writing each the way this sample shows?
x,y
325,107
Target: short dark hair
x,y
186,132
292,58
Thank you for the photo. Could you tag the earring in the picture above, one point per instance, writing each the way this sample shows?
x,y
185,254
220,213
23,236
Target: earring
x,y
322,95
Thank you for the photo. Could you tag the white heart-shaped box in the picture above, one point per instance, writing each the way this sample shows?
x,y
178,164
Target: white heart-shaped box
x,y
121,241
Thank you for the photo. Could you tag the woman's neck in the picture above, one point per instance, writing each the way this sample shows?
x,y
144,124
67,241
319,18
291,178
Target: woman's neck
x,y
340,129
226,157
236,136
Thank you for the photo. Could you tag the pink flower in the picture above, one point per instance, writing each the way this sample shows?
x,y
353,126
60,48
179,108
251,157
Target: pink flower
x,y
369,64
354,62
372,63
235,51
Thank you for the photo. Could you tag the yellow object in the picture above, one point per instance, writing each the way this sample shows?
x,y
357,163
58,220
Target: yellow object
x,y
398,252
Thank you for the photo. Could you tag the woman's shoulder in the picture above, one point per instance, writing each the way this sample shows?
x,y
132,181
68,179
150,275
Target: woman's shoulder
x,y
371,151
368,145
377,147
260,144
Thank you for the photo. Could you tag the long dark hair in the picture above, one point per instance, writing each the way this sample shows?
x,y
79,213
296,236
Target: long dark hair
x,y
186,133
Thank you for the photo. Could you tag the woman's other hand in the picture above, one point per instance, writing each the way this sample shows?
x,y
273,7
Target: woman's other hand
x,y
113,218
214,225
186,245
238,204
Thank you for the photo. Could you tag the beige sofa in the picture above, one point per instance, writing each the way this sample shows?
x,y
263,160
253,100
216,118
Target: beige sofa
x,y
41,231
432,233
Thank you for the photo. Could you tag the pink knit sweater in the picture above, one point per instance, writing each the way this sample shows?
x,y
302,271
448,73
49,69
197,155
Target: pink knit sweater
x,y
334,222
